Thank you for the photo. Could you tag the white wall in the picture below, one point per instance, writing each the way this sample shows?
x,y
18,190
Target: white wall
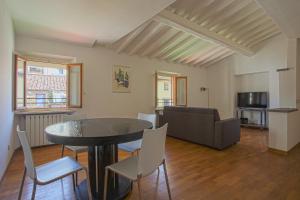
x,y
220,80
298,72
271,56
247,70
6,114
98,99
254,82
293,137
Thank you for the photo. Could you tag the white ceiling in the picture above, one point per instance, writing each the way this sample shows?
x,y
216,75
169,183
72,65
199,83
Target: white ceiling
x,y
82,21
286,13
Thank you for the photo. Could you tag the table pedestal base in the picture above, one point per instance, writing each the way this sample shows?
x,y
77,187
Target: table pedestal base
x,y
119,193
99,158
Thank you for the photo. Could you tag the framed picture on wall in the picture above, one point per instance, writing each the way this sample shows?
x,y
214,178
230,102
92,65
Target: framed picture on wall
x,y
121,79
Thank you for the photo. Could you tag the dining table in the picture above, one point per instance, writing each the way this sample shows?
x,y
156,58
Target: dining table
x,y
101,136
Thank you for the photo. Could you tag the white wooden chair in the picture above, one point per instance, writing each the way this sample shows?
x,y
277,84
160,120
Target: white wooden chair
x,y
49,172
152,155
135,146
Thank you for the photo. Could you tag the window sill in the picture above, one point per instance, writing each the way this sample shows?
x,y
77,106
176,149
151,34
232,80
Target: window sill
x,y
43,111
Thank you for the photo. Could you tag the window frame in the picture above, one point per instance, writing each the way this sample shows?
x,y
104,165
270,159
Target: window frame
x,y
15,82
156,87
173,88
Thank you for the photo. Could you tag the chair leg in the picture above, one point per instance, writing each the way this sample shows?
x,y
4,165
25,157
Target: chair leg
x,y
105,184
88,184
22,184
76,176
139,186
73,182
157,178
33,190
167,179
62,150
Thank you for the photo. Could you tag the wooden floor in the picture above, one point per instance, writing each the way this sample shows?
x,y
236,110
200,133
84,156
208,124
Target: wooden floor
x,y
245,171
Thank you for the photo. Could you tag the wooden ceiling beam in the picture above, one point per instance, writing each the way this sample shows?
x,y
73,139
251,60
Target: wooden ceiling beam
x,y
200,46
265,37
206,11
251,29
263,34
240,27
124,42
186,50
180,44
242,23
145,35
230,8
214,57
217,60
236,18
231,15
156,40
207,55
196,55
197,7
199,10
254,32
214,10
186,25
166,44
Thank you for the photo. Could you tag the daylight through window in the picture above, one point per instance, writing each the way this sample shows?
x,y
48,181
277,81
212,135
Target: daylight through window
x,y
47,85
171,90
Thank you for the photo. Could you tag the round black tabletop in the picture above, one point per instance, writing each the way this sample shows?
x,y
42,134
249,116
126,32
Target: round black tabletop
x,y
99,131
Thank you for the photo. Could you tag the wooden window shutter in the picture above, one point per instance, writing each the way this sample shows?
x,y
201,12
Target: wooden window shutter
x,y
19,83
181,91
75,85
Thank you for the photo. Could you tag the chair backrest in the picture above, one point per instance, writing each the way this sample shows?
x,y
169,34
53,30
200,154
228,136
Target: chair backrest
x,y
153,150
148,117
74,117
28,160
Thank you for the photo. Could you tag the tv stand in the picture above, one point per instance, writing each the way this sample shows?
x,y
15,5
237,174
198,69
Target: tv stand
x,y
263,117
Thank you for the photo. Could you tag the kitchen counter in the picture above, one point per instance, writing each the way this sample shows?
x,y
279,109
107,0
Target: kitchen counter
x,y
282,110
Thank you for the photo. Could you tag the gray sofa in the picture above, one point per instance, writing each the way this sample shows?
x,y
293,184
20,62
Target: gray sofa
x,y
201,126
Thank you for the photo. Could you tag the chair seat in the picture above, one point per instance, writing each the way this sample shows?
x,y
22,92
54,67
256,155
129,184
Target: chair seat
x,y
57,169
78,149
131,146
127,167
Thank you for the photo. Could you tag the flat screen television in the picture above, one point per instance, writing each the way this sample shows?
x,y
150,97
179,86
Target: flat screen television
x,y
252,99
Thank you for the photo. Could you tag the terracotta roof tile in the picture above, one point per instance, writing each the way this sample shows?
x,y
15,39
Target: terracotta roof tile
x,y
46,82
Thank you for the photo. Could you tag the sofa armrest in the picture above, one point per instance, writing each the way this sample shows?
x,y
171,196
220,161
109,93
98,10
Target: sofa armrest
x,y
227,133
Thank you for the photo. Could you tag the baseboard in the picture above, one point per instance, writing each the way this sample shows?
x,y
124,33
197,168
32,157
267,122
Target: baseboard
x,y
281,151
12,155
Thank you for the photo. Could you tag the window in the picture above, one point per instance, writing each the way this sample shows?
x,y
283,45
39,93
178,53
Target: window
x,y
170,90
35,70
166,85
40,100
164,96
47,85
